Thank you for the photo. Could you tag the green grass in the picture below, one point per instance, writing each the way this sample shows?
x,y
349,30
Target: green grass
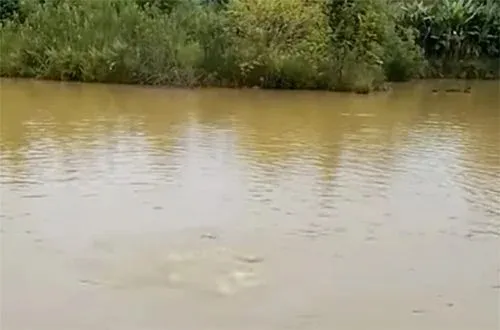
x,y
294,44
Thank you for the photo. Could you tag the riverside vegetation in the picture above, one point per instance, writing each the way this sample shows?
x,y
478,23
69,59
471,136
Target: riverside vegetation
x,y
348,45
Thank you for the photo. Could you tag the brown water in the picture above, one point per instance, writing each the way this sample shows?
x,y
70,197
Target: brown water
x,y
135,208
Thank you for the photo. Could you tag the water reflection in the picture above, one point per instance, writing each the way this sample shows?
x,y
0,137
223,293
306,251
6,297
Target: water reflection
x,y
282,209
330,147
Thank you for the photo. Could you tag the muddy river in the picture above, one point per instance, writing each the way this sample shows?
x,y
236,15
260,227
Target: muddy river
x,y
135,208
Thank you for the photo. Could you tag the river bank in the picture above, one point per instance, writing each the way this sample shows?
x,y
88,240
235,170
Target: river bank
x,y
294,44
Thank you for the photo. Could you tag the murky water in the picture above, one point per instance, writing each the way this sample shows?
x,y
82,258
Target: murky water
x,y
145,209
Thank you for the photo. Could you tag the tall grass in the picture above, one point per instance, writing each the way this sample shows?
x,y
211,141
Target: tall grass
x,y
458,36
105,41
324,44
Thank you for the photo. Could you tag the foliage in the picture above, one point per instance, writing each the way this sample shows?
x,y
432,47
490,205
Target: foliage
x,y
276,43
352,45
107,41
456,31
403,59
162,5
8,9
366,39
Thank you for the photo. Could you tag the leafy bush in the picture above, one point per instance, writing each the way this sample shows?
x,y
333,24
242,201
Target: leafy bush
x,y
365,38
403,60
163,5
8,9
279,44
329,44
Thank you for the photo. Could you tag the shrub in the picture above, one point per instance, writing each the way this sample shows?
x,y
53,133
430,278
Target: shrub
x,y
276,43
403,60
8,9
163,5
366,42
328,44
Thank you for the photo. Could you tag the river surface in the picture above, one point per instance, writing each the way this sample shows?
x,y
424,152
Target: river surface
x,y
135,208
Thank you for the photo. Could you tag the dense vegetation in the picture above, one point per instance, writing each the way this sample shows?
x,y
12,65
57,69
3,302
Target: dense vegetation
x,y
457,36
327,44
